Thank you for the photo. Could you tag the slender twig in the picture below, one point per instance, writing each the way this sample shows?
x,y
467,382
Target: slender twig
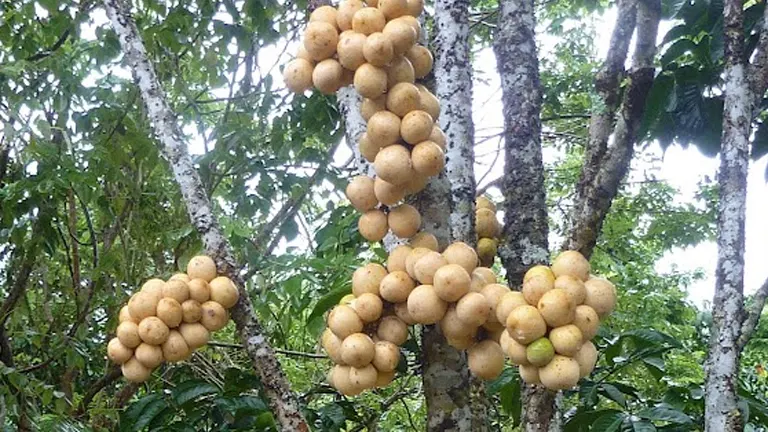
x,y
279,351
753,315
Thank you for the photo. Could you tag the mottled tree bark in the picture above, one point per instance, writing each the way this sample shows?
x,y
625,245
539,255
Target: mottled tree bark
x,y
172,143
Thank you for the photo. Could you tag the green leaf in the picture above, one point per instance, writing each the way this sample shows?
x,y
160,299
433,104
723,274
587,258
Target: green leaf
x,y
327,302
664,413
614,394
643,426
190,390
610,422
141,413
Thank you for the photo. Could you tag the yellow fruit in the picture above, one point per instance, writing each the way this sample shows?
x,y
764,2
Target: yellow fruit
x,y
169,311
540,352
320,40
396,286
473,309
301,53
401,34
429,102
117,352
415,128
486,223
332,346
150,356
400,70
507,303
142,304
601,296
368,307
525,324
428,158
573,286
486,251
373,225
199,290
454,328
393,8
540,270
451,282
437,136
486,359
181,276
357,350
344,321
128,334
401,310
387,193
341,381
535,287
462,254
347,299
368,20
360,193
369,107
327,76
586,357
413,257
202,267
384,378
364,377
175,347
392,329
153,331
214,317
493,293
484,202
425,306
514,350
224,291
191,311
421,59
370,81
393,164
125,315
587,320
556,308
561,373
481,277
416,184
462,342
403,98
426,267
346,11
383,129
368,149
367,279
415,7
386,356
567,339
378,49
529,374
396,260
404,221
135,372
154,287
424,240
177,290
571,263
297,75
195,334
324,14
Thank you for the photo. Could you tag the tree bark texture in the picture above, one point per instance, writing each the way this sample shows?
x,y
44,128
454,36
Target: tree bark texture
x,y
525,224
282,401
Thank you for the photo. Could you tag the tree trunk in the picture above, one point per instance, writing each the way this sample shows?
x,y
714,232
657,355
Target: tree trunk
x,y
275,386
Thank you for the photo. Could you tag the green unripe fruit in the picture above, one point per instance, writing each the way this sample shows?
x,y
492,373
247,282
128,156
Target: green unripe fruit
x,y
540,352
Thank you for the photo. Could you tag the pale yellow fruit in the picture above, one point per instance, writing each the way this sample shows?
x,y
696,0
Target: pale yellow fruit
x,y
154,286
424,240
347,299
561,373
540,352
396,286
383,129
426,267
400,70
128,334
453,327
529,374
332,346
142,304
214,317
169,311
404,220
150,356
393,164
525,324
369,107
567,339
180,276
556,308
324,14
486,251
175,348
373,225
415,128
535,287
415,7
393,8
364,377
484,202
386,356
177,290
195,334
401,310
327,76
360,193
224,291
368,20
384,379
540,270
427,157
320,40
416,184
396,259
378,49
344,321
199,290
481,277
341,381
507,303
429,102
117,352
201,266
462,254
153,330
413,22
437,136
392,329
601,296
387,193
571,263
125,315
486,223
302,53
451,282
403,98
485,359
135,372
587,320
370,81
191,311
573,286
413,257
425,306
462,342
297,75
346,11
368,149
368,307
586,357
402,36
514,350
367,279
421,59
493,293
357,350
473,309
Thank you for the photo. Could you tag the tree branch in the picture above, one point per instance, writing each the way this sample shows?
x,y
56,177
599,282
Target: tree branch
x,y
753,315
758,69
108,378
276,388
277,350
